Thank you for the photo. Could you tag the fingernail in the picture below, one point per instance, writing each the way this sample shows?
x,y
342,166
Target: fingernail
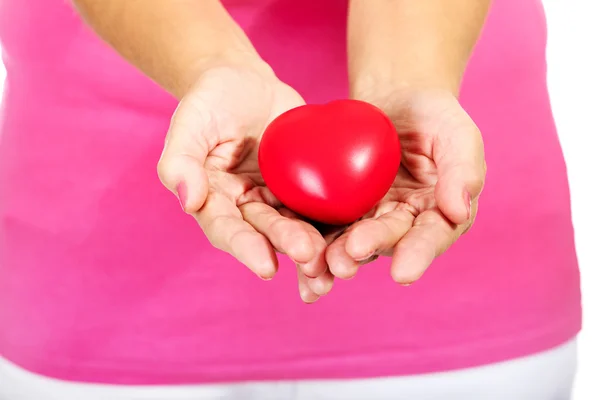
x,y
182,194
467,198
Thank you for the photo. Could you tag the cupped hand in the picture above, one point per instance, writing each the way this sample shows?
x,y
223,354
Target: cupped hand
x,y
210,163
434,198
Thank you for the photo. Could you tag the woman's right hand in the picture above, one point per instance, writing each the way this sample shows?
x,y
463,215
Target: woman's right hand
x,y
210,163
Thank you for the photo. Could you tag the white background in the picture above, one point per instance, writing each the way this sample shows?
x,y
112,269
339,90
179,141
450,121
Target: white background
x,y
574,81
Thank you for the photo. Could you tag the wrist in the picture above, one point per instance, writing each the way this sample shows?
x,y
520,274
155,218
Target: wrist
x,y
246,59
391,98
382,84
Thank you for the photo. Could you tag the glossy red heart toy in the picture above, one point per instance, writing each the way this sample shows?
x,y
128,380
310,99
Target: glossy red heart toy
x,y
330,163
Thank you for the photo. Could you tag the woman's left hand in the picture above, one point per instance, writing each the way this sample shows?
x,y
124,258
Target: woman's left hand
x,y
434,198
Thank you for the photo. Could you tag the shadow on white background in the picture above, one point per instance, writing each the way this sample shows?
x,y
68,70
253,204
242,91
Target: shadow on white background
x,y
574,82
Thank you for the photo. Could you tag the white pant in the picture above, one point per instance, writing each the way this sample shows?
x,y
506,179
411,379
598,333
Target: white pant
x,y
545,376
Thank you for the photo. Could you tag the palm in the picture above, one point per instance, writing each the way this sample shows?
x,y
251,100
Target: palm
x,y
424,211
238,108
217,130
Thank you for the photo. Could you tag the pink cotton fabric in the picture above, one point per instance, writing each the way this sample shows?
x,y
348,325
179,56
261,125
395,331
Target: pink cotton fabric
x,y
104,279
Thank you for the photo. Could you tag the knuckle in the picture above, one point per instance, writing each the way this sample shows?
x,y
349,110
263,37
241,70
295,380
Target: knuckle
x,y
277,226
212,231
477,184
427,218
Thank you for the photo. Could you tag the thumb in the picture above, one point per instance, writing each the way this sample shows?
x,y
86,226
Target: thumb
x,y
460,161
181,165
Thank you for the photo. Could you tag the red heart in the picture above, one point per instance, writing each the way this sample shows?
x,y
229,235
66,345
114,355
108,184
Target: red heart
x,y
331,163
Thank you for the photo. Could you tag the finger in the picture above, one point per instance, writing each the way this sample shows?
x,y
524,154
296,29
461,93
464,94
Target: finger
x,y
224,226
287,235
459,157
181,165
380,234
430,236
306,293
339,261
318,264
322,284
316,272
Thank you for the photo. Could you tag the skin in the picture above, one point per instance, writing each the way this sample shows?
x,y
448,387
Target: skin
x,y
406,57
228,95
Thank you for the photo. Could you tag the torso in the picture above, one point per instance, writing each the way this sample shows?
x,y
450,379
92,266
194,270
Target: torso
x,y
102,277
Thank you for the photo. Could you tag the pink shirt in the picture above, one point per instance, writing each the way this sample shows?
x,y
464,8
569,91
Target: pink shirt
x,y
104,279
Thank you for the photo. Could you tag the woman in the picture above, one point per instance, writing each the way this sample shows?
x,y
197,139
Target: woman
x,y
109,288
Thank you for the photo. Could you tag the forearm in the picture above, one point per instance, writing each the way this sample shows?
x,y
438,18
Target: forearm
x,y
412,43
170,41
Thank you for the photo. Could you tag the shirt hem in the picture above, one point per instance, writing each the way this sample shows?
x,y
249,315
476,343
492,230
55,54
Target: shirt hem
x,y
388,363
